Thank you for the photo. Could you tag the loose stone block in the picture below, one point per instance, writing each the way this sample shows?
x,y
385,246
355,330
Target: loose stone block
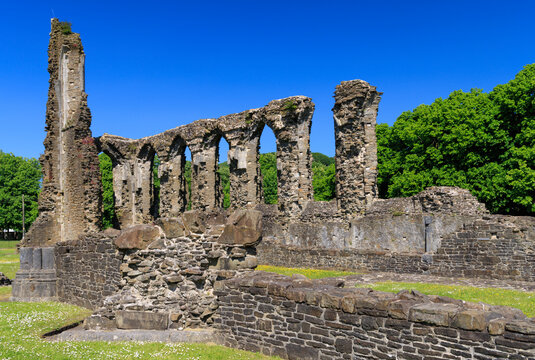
x,y
141,320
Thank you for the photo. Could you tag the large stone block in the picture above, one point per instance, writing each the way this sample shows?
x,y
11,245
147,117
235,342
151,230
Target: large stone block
x,y
172,227
194,221
244,227
138,237
141,320
434,314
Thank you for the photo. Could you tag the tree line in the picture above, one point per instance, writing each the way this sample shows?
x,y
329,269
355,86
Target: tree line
x,y
483,142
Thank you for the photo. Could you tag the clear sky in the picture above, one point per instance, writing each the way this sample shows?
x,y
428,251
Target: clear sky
x,y
155,65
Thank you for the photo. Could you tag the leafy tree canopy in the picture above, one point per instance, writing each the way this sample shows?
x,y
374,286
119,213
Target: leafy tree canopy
x,y
484,142
18,176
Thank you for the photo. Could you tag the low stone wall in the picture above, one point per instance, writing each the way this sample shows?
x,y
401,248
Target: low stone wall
x,y
500,247
273,253
297,318
87,270
492,247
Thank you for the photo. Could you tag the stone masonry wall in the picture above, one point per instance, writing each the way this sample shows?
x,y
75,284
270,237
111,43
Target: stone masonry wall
x,y
70,201
87,270
166,279
493,247
297,318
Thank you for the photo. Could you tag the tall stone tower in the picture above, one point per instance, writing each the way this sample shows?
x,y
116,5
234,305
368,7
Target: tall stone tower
x,y
355,113
70,199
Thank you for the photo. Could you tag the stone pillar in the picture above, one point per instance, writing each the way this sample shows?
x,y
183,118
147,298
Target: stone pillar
x,y
173,193
245,177
205,192
355,113
70,200
291,120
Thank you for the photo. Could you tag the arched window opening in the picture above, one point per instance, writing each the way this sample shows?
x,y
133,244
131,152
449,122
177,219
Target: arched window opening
x,y
268,166
223,173
109,218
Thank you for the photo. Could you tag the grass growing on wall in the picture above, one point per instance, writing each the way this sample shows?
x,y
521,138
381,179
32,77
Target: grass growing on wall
x,y
309,273
22,323
522,300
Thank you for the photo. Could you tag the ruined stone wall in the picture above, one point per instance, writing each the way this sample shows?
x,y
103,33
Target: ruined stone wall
x,y
493,247
166,275
70,200
297,318
401,225
132,160
87,270
501,247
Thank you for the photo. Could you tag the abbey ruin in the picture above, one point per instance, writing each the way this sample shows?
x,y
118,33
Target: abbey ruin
x,y
167,267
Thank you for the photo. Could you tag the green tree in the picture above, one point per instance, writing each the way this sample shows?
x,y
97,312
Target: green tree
x,y
18,176
474,140
224,179
108,210
323,181
268,168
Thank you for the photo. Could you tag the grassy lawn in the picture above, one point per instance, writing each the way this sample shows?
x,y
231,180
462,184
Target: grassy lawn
x,y
522,300
22,323
8,244
9,265
309,273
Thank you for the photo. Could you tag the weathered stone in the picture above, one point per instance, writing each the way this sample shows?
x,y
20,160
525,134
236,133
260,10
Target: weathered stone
x,y
244,227
172,227
194,221
523,327
141,320
470,320
138,237
431,313
355,112
111,232
70,198
496,326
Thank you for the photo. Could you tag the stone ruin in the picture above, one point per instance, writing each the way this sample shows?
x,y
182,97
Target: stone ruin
x,y
168,267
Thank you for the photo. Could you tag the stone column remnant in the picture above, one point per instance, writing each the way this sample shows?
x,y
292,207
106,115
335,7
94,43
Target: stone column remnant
x,y
173,192
205,192
70,199
355,113
291,121
242,132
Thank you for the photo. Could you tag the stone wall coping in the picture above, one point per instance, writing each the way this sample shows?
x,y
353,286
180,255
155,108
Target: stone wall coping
x,y
407,305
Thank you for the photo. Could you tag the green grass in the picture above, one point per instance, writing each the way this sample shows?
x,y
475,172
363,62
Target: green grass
x,y
522,300
22,323
8,244
9,265
9,259
309,273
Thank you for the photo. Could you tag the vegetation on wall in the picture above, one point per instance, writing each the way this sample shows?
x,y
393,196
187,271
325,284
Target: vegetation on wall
x,y
483,142
18,176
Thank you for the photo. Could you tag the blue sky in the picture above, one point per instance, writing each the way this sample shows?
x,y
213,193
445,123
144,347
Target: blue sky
x,y
152,66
